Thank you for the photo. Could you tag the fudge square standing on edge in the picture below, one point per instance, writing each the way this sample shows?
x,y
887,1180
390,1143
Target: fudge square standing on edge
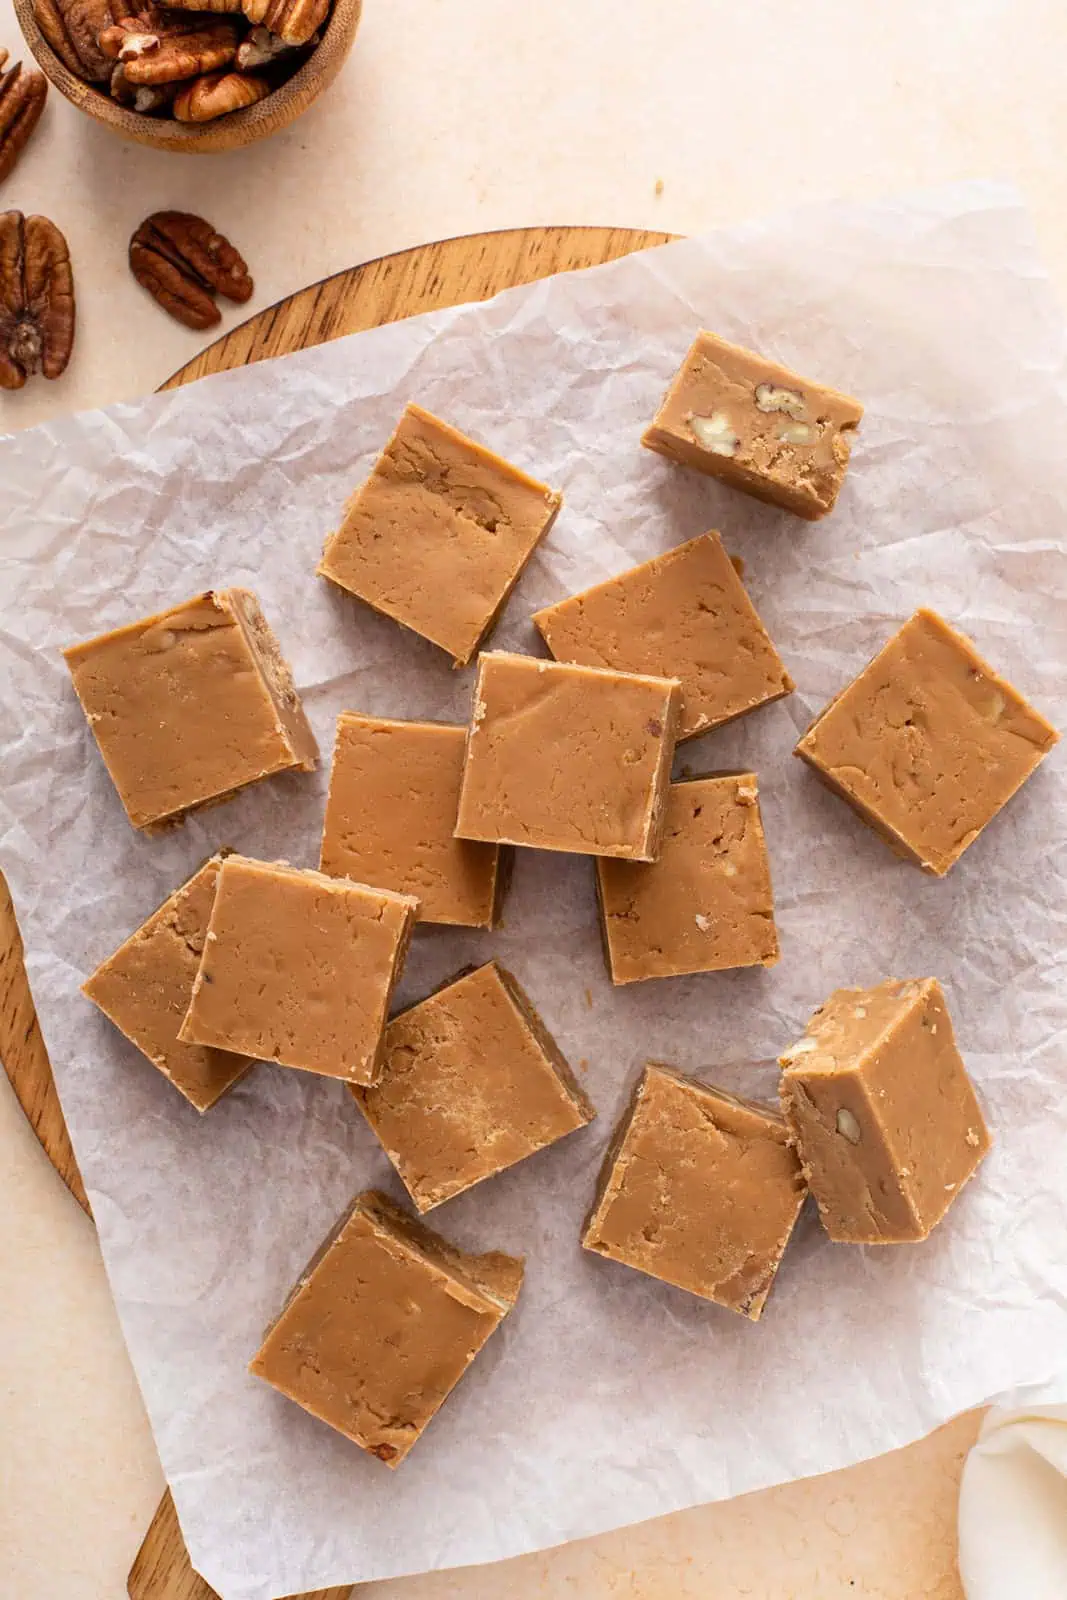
x,y
471,1082
700,1189
883,1112
928,743
684,614
382,1325
706,904
298,968
391,816
190,705
437,536
757,426
569,758
146,986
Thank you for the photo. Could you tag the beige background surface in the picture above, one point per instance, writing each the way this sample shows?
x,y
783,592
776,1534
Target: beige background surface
x,y
453,116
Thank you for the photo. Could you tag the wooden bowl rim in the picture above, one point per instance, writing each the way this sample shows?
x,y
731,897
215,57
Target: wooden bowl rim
x,y
167,132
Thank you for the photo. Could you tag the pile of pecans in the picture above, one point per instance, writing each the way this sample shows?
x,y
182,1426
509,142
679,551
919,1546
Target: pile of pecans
x,y
191,62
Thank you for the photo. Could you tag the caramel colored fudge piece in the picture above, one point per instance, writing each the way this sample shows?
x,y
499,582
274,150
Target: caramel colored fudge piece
x,y
563,757
928,743
700,1189
757,426
145,988
190,705
883,1112
298,968
471,1082
706,903
438,535
382,1326
684,614
391,815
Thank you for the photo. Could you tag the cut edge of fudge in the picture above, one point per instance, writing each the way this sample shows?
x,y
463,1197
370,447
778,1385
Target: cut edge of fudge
x,y
277,675
584,1107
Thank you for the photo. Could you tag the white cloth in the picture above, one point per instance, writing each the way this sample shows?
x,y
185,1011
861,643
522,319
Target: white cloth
x,y
1013,1499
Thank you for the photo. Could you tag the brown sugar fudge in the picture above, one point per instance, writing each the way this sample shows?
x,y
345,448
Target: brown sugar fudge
x,y
882,1111
471,1082
700,1189
383,1324
757,426
706,903
298,968
684,614
190,705
144,989
438,535
390,816
562,757
928,743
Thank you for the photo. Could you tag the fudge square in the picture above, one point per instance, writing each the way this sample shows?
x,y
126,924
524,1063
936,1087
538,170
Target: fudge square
x,y
928,743
383,1324
563,757
438,535
706,903
883,1112
298,968
471,1082
684,614
145,988
757,426
700,1189
190,705
391,815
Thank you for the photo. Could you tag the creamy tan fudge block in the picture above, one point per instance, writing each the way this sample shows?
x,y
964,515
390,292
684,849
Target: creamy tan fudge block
x,y
145,988
298,968
698,1188
928,743
706,903
383,1324
757,426
684,614
391,816
563,757
883,1112
438,535
471,1082
190,705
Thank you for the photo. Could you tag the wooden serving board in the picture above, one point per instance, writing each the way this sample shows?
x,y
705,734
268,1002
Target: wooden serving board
x,y
423,279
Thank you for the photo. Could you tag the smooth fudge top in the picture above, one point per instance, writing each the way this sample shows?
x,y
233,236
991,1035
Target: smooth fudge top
x,y
391,816
382,1325
760,427
699,1188
471,1081
684,614
145,988
928,743
299,968
191,704
437,536
571,758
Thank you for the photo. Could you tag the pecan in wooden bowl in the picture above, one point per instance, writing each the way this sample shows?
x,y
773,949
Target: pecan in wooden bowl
x,y
196,75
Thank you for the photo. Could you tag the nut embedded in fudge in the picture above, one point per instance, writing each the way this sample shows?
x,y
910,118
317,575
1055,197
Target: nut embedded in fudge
x,y
882,1110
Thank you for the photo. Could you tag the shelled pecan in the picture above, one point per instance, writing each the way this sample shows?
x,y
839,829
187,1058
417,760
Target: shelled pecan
x,y
183,262
261,48
36,299
292,20
172,54
22,98
217,94
73,28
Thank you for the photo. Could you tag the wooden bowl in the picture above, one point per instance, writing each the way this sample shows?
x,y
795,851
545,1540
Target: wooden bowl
x,y
225,133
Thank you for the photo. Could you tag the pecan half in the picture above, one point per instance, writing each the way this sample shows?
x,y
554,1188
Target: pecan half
x,y
217,95
170,56
147,99
36,299
22,98
261,48
292,20
72,28
183,262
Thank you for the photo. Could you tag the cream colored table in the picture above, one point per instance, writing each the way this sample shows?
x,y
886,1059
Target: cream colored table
x,y
451,119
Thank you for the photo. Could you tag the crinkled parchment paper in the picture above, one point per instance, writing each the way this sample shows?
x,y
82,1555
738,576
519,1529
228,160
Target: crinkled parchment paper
x,y
607,1397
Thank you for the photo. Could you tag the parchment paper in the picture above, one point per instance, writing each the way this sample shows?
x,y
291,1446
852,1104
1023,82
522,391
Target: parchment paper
x,y
606,1397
